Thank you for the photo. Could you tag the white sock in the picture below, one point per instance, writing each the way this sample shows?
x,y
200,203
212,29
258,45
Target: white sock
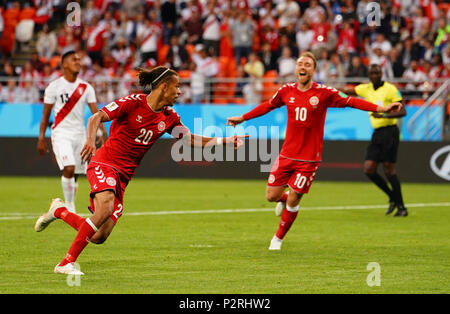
x,y
292,209
69,189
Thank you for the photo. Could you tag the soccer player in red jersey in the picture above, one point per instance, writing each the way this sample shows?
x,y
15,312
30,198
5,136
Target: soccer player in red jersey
x,y
300,156
138,121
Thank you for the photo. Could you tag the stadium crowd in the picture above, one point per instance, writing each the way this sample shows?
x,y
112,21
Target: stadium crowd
x,y
201,39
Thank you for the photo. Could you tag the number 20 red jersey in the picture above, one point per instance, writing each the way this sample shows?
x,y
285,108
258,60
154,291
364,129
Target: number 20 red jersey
x,y
134,129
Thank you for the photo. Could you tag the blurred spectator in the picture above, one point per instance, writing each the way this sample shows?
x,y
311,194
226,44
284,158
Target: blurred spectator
x,y
147,38
419,22
28,73
443,33
409,52
382,43
29,93
286,43
211,30
322,33
226,37
132,8
89,12
242,30
47,43
396,23
206,65
193,27
347,38
11,93
8,71
121,52
314,14
255,71
267,14
304,37
197,84
123,80
177,56
268,57
286,66
377,57
288,12
356,68
397,64
415,75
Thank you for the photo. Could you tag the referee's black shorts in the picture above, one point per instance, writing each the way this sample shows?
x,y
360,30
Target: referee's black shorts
x,y
384,144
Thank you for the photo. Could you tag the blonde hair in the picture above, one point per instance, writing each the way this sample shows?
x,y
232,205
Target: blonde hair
x,y
309,55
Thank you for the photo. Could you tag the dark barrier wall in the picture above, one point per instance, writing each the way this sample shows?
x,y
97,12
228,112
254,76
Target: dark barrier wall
x,y
342,161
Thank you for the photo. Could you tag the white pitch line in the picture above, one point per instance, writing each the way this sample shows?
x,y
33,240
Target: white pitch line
x,y
244,210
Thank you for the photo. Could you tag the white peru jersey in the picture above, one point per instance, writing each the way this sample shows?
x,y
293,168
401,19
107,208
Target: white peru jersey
x,y
58,93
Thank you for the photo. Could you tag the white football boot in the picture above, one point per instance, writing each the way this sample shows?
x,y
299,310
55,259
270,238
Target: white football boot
x,y
48,217
68,269
279,208
275,244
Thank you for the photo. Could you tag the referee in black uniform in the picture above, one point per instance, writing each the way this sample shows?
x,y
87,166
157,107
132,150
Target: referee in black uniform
x,y
383,147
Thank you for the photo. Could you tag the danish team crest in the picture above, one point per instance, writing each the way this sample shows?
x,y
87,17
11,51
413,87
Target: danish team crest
x,y
271,179
161,126
314,101
111,181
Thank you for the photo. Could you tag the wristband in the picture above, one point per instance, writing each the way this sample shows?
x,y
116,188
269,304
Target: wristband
x,y
219,141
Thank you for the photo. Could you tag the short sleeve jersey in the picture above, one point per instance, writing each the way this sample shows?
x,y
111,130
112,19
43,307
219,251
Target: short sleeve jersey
x,y
58,93
135,128
306,112
382,96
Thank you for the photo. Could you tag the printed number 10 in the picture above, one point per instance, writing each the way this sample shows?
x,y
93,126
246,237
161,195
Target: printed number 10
x,y
300,113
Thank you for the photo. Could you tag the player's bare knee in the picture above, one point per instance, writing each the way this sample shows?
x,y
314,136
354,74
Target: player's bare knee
x,y
272,197
69,171
369,168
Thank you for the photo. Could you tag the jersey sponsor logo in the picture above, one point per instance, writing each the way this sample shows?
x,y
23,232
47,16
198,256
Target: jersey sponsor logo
x,y
111,181
440,162
139,118
112,106
314,101
161,126
292,100
271,179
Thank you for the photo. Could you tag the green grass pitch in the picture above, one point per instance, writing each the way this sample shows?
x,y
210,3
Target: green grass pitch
x,y
326,251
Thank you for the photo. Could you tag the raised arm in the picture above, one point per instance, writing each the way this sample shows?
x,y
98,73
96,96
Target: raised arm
x,y
93,124
42,145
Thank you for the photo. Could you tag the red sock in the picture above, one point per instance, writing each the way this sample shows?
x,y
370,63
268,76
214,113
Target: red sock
x,y
287,218
81,240
283,197
70,218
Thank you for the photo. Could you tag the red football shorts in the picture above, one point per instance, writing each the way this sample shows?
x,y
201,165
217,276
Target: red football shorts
x,y
298,175
103,178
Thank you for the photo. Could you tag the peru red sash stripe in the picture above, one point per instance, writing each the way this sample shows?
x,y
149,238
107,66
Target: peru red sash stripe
x,y
67,108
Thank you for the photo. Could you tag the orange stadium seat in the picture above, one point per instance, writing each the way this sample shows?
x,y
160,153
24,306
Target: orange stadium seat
x,y
269,84
184,74
416,102
190,50
162,53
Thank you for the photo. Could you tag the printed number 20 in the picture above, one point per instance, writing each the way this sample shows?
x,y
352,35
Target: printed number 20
x,y
300,113
144,137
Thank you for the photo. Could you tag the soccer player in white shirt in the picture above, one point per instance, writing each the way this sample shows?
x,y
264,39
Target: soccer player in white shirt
x,y
67,96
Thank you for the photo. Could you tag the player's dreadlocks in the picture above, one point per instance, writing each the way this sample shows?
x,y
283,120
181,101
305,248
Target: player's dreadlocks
x,y
152,78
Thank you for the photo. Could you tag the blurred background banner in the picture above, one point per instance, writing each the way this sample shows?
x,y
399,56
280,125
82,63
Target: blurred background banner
x,y
22,120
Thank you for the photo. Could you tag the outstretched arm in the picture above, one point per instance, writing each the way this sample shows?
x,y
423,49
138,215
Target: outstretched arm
x,y
204,141
258,111
393,114
368,106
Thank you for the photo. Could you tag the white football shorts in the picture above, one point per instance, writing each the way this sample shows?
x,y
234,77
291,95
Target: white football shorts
x,y
67,149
